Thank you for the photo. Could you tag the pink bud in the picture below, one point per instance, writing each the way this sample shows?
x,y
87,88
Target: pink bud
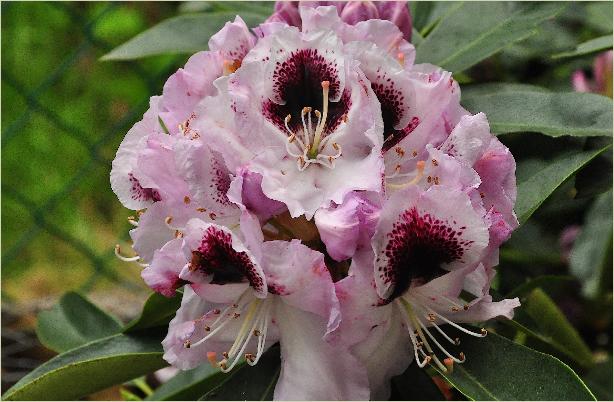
x,y
286,11
356,11
579,81
396,12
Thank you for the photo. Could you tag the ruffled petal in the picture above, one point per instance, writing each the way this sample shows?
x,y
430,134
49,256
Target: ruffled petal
x,y
421,235
219,257
233,41
346,227
186,87
162,275
124,182
312,369
299,276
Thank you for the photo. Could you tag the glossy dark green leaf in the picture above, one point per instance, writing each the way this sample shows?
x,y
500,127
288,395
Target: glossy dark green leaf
x,y
189,385
249,383
553,114
599,380
157,311
90,368
462,39
533,191
182,34
499,369
589,256
415,384
592,46
552,323
72,322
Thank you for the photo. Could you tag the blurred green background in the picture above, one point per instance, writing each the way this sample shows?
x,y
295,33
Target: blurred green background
x,y
64,113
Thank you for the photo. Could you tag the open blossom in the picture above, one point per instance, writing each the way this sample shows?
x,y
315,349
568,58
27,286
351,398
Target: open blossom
x,y
318,127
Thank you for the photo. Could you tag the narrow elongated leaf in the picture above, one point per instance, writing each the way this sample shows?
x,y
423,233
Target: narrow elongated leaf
x,y
73,322
534,191
462,39
499,369
552,323
553,114
91,367
157,311
588,47
249,383
189,385
589,256
181,34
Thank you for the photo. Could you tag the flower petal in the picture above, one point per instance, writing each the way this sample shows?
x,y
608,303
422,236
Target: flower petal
x,y
311,368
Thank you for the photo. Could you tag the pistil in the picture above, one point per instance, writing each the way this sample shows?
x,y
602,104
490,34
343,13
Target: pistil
x,y
311,143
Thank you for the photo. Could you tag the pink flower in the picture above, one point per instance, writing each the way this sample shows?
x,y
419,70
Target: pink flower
x,y
427,248
351,12
250,303
602,76
300,114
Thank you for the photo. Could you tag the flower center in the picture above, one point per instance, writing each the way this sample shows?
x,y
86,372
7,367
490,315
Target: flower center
x,y
216,257
255,316
307,144
418,245
412,311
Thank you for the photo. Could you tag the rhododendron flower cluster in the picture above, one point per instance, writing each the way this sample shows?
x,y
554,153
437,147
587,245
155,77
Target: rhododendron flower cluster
x,y
306,183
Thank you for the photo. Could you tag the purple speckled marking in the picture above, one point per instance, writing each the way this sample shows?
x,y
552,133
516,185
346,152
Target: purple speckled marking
x,y
417,247
139,193
215,256
298,81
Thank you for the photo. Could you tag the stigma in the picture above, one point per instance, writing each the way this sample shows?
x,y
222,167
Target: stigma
x,y
308,145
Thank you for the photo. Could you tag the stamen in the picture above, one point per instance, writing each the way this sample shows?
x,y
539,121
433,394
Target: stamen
x,y
306,132
401,58
123,258
449,362
435,341
420,167
132,220
482,333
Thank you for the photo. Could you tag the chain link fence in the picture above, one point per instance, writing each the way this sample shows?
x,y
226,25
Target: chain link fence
x,y
64,114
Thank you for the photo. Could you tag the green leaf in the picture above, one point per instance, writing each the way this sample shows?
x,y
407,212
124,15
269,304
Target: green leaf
x,y
472,31
589,256
415,384
73,322
474,91
552,323
553,114
499,369
533,191
588,47
549,281
157,311
599,380
249,383
189,385
91,367
182,34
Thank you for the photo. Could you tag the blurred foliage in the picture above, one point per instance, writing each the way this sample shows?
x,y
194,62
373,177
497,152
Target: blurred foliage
x,y
64,114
